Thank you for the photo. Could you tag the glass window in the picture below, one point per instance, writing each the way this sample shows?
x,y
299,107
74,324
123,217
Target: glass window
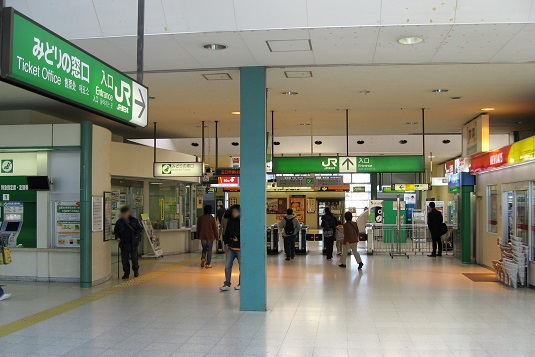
x,y
492,209
164,209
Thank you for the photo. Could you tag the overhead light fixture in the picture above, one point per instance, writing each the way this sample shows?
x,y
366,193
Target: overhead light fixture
x,y
200,126
194,144
235,143
304,124
518,122
215,46
487,109
431,156
446,141
411,123
440,90
235,113
412,40
155,183
318,142
456,98
360,142
365,91
402,142
290,93
276,143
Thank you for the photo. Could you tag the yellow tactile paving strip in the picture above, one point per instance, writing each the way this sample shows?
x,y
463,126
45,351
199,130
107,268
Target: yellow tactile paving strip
x,y
41,316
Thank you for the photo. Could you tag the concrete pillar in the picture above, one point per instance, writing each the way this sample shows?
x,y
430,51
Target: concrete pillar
x,y
253,188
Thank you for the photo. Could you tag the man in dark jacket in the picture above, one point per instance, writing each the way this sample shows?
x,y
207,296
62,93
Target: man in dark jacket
x,y
231,238
289,226
128,232
434,222
329,223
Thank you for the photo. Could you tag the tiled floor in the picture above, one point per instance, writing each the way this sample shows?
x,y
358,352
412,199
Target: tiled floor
x,y
395,307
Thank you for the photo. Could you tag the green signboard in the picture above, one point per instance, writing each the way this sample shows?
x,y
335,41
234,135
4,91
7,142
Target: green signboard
x,y
338,164
37,59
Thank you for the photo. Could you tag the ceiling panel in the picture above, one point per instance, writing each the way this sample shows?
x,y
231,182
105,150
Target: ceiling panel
x,y
21,6
485,11
199,16
344,45
256,43
68,18
193,43
105,50
337,13
475,43
390,51
395,12
126,45
119,17
175,57
273,14
520,49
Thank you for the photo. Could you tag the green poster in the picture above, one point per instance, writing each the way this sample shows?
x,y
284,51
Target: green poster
x,y
37,59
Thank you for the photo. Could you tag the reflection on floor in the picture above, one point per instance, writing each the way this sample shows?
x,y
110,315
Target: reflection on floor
x,y
394,307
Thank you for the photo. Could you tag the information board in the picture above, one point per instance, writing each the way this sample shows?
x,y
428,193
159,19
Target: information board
x,y
178,169
97,221
108,228
67,218
37,59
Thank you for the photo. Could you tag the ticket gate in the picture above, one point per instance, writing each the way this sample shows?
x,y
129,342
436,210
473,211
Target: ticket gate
x,y
301,241
273,240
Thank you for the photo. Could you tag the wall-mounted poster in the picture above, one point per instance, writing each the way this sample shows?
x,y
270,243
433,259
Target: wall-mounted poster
x,y
311,205
67,217
233,201
276,205
108,229
98,210
297,203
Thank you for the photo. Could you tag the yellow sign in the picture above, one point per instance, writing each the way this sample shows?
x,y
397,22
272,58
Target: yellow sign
x,y
521,151
162,209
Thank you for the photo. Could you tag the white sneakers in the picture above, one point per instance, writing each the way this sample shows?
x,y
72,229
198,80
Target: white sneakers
x,y
237,287
227,288
5,296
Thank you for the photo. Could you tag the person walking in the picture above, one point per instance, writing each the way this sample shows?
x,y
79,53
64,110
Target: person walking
x,y
128,232
351,239
220,213
3,294
434,222
329,223
290,227
231,238
208,233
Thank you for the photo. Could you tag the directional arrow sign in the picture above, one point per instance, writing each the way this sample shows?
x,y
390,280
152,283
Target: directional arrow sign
x,y
347,164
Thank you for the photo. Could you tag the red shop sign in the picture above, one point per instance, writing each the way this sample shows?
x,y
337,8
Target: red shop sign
x,y
490,160
231,180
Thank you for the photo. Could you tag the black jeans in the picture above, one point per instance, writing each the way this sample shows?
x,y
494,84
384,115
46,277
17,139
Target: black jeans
x,y
129,252
437,243
329,246
289,246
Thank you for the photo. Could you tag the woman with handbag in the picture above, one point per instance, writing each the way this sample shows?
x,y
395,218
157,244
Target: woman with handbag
x,y
351,239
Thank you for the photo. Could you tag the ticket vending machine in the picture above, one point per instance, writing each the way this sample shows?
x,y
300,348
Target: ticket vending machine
x,y
12,220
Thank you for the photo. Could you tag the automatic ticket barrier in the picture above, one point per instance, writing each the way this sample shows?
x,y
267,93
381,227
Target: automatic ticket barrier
x,y
301,241
273,240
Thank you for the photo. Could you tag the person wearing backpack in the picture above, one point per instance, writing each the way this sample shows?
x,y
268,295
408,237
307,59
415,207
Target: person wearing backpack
x,y
351,239
290,227
128,232
329,223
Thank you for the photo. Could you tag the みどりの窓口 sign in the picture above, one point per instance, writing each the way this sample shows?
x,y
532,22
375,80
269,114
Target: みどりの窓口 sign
x,y
37,59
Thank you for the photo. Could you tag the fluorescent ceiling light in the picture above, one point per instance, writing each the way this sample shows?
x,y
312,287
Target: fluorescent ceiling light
x,y
290,93
440,90
487,109
235,113
412,40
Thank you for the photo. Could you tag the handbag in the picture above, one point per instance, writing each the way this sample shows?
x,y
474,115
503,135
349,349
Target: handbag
x,y
328,233
5,254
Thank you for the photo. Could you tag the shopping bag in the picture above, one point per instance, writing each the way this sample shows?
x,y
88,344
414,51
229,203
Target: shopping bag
x,y
5,255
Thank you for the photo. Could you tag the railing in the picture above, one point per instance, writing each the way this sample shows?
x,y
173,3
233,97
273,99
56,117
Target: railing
x,y
407,238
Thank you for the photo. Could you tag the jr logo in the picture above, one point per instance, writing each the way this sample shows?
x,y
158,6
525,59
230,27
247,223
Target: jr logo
x,y
330,163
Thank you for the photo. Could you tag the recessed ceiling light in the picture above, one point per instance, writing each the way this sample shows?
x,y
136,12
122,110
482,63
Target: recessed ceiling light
x,y
456,98
234,143
440,90
290,93
195,144
215,46
304,124
365,91
446,141
487,109
411,123
318,142
235,113
276,143
412,40
518,122
403,141
360,142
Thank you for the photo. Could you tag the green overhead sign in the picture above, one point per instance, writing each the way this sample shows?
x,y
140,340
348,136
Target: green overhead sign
x,y
37,59
351,164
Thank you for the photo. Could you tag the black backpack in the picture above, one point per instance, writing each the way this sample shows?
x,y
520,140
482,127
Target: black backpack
x,y
289,228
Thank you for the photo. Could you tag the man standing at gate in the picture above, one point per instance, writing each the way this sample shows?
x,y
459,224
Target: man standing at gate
x,y
290,227
434,222
128,232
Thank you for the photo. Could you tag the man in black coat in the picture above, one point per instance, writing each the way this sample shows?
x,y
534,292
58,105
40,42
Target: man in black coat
x,y
434,222
128,232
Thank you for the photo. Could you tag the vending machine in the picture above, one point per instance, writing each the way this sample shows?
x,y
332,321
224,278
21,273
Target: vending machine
x,y
12,219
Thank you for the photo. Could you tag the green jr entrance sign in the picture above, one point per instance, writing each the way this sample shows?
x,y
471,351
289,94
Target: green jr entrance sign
x,y
352,164
37,59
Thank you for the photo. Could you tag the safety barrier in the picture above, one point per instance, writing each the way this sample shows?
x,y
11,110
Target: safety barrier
x,y
406,239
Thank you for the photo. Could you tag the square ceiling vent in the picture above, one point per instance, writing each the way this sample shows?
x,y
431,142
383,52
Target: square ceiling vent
x,y
217,76
289,45
298,74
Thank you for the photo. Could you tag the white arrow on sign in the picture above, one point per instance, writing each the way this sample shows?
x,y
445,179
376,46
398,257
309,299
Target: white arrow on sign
x,y
139,109
347,164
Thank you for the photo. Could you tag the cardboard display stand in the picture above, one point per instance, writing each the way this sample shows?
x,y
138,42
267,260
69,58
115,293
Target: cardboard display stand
x,y
153,240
